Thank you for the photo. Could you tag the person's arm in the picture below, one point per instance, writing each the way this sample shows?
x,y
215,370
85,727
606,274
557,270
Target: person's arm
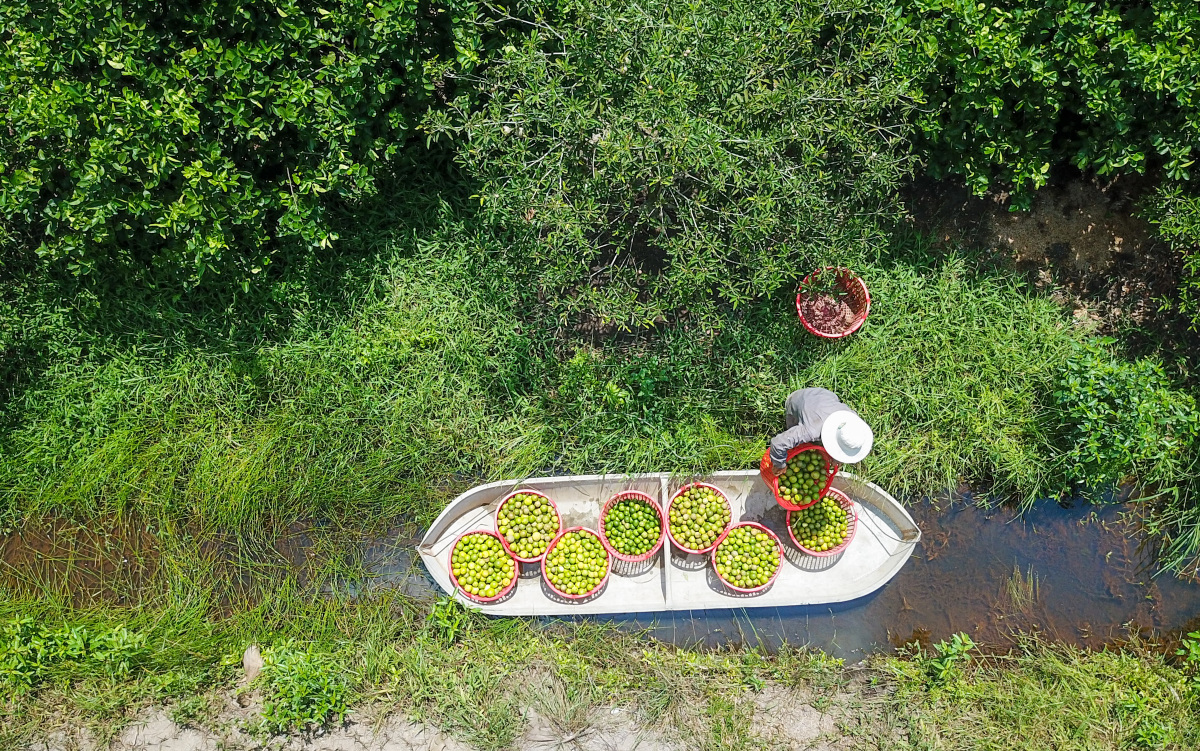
x,y
790,439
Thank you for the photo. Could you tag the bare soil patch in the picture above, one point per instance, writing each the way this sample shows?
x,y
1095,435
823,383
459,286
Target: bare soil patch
x,y
1082,241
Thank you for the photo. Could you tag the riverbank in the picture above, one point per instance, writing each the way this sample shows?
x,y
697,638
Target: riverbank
x,y
511,686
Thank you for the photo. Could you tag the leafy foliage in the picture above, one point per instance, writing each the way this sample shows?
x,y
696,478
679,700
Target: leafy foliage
x,y
1177,214
302,688
190,137
664,152
30,652
1125,419
1015,87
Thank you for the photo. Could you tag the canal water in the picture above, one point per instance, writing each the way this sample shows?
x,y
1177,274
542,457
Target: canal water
x,y
1075,574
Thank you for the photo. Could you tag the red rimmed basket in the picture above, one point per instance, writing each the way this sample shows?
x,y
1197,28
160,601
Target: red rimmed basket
x,y
662,526
853,290
607,565
504,542
454,579
680,492
831,469
845,502
778,566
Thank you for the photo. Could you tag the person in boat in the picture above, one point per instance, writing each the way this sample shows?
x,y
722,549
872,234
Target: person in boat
x,y
818,416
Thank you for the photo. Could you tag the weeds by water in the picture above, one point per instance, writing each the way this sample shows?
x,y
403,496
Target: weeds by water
x,y
1023,589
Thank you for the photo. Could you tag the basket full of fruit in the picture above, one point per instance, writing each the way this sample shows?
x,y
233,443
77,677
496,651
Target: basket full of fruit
x,y
825,528
527,521
481,568
809,473
632,526
576,564
833,302
697,515
747,558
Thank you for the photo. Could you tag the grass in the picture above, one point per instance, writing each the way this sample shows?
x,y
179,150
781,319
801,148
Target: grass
x,y
1045,696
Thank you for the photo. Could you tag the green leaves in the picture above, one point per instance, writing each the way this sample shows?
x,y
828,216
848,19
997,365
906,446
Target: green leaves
x,y
662,155
31,652
1017,86
198,139
1124,420
302,688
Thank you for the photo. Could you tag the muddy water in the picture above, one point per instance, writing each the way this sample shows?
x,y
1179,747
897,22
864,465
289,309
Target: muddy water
x,y
1073,574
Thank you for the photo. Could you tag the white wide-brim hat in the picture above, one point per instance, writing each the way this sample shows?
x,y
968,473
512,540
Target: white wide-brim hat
x,y
846,437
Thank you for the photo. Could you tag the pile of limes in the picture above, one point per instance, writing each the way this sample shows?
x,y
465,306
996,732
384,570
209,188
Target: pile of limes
x,y
481,565
528,523
747,557
804,478
577,564
822,526
698,517
632,526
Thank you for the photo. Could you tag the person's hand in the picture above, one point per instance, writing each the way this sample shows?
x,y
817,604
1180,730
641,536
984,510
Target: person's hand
x,y
777,471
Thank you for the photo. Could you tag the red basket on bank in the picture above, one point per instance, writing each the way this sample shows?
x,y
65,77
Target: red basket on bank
x,y
607,565
845,502
778,551
831,469
662,526
840,316
454,579
504,542
675,497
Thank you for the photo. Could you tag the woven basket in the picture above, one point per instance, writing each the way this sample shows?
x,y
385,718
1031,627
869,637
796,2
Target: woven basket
x,y
496,521
454,579
845,503
593,590
662,526
855,293
831,469
680,492
778,550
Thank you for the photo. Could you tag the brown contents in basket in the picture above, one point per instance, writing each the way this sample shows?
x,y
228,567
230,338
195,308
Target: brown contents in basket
x,y
830,314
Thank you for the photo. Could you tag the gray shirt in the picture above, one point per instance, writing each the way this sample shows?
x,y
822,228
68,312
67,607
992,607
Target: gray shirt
x,y
805,411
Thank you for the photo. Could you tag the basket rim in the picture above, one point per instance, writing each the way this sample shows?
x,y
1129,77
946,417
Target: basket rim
x,y
496,522
831,470
454,579
778,566
676,494
845,502
662,526
859,320
593,590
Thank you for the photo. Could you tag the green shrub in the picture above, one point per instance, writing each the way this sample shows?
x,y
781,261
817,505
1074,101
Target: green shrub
x,y
30,652
1124,420
665,153
1177,215
301,688
1016,87
189,137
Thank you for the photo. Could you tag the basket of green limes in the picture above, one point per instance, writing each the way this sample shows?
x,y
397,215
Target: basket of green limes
x,y
697,515
809,474
747,558
576,564
825,528
481,568
527,521
632,527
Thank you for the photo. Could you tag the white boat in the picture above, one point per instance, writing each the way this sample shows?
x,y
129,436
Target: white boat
x,y
672,580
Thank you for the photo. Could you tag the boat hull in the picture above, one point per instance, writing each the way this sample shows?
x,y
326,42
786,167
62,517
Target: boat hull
x,y
671,580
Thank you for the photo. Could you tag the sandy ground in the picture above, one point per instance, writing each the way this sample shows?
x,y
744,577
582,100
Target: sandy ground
x,y
784,719
1081,240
